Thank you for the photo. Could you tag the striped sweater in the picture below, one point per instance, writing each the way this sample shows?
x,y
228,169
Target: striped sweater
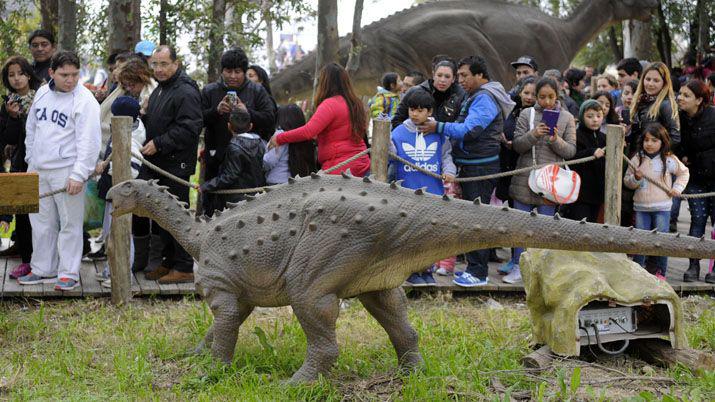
x,y
649,197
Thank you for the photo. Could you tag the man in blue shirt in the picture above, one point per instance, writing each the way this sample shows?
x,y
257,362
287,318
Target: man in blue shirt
x,y
476,138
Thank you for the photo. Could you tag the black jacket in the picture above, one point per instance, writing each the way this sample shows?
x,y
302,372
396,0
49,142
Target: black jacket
x,y
593,174
446,108
698,144
12,132
259,103
173,121
242,167
665,118
42,70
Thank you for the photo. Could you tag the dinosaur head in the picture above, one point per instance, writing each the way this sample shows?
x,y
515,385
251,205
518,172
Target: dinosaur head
x,y
633,9
125,196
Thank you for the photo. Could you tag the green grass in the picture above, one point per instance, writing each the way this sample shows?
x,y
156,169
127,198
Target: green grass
x,y
89,350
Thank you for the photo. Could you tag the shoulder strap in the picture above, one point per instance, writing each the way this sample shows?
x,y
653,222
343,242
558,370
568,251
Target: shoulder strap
x,y
532,113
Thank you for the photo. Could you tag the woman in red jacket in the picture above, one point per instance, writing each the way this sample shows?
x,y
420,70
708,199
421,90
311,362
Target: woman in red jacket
x,y
339,123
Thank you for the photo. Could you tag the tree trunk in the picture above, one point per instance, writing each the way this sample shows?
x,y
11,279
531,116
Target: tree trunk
x,y
327,49
664,37
163,8
355,44
48,10
613,43
216,34
270,50
703,18
67,19
636,39
124,25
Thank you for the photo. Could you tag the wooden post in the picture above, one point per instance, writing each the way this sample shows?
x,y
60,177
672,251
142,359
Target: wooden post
x,y
118,246
615,140
380,148
594,82
538,359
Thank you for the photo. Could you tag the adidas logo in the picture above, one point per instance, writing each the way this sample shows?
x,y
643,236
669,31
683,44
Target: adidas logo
x,y
420,151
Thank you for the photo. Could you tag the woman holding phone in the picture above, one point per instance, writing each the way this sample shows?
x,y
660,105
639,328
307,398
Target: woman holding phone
x,y
537,143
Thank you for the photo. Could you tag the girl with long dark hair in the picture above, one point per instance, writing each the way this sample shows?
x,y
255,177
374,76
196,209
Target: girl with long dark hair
x,y
296,159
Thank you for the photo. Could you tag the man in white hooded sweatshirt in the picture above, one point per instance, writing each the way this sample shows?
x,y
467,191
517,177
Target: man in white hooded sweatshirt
x,y
63,141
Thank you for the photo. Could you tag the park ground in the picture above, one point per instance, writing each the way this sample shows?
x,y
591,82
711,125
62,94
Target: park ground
x,y
89,350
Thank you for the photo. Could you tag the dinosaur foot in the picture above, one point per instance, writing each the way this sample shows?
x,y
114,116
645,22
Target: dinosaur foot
x,y
411,363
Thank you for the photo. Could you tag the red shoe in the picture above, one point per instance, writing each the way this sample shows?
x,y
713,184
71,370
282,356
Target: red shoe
x,y
21,270
660,276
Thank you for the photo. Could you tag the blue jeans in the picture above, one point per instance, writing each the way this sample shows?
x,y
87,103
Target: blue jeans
x,y
700,208
477,260
549,210
653,220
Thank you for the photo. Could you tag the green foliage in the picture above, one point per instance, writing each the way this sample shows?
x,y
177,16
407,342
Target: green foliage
x,y
14,28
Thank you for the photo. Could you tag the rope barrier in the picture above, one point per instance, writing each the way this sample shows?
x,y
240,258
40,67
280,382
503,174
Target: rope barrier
x,y
665,188
64,189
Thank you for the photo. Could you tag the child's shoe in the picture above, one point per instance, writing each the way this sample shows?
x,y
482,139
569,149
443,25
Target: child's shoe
x,y
32,279
106,284
21,270
416,280
506,268
64,284
442,271
514,276
428,279
104,275
467,280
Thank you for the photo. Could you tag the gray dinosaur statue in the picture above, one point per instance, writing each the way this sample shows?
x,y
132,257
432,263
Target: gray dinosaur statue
x,y
499,31
315,240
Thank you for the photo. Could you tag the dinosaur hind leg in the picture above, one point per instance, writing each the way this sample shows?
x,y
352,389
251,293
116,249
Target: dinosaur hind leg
x,y
389,308
317,318
228,314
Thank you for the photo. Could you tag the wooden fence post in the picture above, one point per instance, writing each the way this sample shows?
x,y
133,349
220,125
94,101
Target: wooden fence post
x,y
615,139
380,148
118,246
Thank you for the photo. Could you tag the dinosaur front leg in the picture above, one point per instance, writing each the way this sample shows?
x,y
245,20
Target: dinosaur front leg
x,y
389,309
317,318
229,314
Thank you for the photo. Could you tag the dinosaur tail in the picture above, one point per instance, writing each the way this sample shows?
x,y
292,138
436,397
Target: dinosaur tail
x,y
507,227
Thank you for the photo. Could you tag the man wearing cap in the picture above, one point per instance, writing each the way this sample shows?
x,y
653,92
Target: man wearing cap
x,y
524,66
145,49
173,123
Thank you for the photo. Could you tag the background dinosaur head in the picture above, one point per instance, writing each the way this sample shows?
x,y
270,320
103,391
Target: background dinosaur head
x,y
633,9
125,196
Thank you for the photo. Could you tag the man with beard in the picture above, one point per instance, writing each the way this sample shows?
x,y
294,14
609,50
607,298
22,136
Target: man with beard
x,y
217,105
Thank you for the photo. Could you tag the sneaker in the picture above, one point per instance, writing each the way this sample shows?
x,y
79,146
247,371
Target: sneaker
x,y
106,283
458,273
467,280
710,277
506,268
660,276
416,280
21,270
104,275
514,276
32,279
99,255
66,284
428,279
443,271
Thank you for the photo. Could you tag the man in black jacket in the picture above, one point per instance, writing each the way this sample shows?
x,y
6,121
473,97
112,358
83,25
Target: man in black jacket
x,y
173,125
217,107
42,46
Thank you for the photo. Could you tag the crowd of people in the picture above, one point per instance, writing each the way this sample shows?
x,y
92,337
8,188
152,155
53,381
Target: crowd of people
x,y
458,123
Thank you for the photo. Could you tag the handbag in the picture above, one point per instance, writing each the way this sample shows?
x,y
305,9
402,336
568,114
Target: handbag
x,y
552,182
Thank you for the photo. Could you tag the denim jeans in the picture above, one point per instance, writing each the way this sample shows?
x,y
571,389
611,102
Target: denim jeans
x,y
549,210
700,208
477,260
653,220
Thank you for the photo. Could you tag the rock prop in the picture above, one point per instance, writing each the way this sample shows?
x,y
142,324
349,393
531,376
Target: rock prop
x,y
315,240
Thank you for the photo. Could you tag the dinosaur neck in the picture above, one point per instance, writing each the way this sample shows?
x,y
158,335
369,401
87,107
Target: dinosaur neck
x,y
163,208
586,22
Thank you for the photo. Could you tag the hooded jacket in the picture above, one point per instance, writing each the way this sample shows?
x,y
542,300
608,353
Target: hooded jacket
x,y
476,134
699,143
593,174
447,104
173,121
383,103
63,130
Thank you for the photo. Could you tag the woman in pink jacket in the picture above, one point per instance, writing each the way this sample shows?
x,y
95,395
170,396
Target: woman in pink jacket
x,y
339,123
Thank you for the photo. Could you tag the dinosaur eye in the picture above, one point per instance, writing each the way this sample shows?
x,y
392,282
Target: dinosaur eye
x,y
126,189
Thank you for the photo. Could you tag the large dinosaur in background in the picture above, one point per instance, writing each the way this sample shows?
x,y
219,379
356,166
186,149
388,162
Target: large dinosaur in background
x,y
316,240
496,30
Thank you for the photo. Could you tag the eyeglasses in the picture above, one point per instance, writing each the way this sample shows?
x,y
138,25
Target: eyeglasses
x,y
163,64
38,45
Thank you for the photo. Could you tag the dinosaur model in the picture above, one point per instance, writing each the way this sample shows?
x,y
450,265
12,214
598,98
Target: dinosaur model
x,y
315,240
499,31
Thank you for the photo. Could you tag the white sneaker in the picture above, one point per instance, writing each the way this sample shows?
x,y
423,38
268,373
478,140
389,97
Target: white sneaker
x,y
514,276
443,272
106,284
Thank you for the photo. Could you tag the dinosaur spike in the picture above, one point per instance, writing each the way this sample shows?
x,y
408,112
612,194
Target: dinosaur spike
x,y
148,195
291,180
702,238
275,236
403,213
197,219
583,221
348,173
259,241
557,217
314,176
477,201
399,183
505,208
260,219
363,193
630,228
344,233
224,236
217,213
393,185
249,197
366,179
445,197
245,250
345,175
162,189
333,218
231,205
153,182
267,189
658,244
605,226
421,190
677,235
312,226
358,218
292,231
240,224
533,212
654,231
232,254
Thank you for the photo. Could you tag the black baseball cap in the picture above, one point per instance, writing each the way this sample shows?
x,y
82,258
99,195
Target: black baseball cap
x,y
525,61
